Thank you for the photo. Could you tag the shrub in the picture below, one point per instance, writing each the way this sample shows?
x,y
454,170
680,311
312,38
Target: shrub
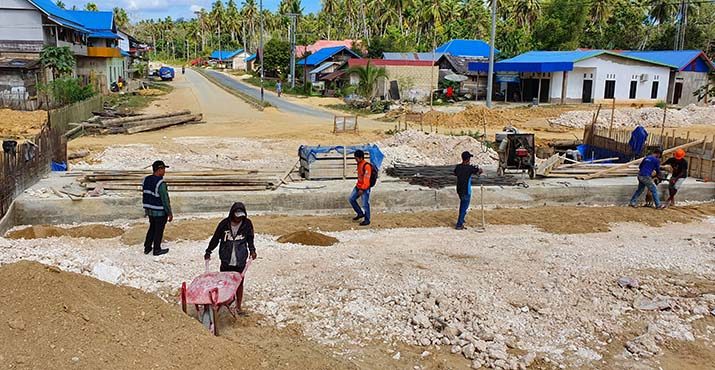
x,y
68,90
661,104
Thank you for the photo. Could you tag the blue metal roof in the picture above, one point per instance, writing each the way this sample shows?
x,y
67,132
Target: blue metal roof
x,y
549,61
59,15
251,57
124,53
95,21
324,54
104,35
466,48
678,58
225,54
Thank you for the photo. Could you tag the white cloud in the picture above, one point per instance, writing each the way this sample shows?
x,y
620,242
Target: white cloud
x,y
196,8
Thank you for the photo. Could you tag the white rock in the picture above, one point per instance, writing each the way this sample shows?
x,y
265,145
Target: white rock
x,y
468,351
396,356
107,273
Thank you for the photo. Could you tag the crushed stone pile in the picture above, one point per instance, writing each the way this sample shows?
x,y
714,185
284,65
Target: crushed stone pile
x,y
646,117
194,154
307,237
83,231
62,320
419,148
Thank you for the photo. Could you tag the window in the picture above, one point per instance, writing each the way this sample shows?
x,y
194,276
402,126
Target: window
x,y
654,90
610,91
632,92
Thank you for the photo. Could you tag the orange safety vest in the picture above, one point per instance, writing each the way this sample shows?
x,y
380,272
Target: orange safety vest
x,y
364,172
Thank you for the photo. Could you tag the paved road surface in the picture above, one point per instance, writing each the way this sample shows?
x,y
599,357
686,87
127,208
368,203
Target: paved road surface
x,y
281,104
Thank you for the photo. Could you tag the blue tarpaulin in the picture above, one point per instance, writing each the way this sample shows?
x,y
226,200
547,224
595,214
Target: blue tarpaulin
x,y
638,138
589,153
62,166
309,152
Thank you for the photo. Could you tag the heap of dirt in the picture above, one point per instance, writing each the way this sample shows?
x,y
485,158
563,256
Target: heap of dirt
x,y
307,237
84,231
62,320
474,116
552,219
150,92
20,124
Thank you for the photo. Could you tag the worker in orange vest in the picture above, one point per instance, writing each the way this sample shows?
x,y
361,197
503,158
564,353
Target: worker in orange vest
x,y
362,188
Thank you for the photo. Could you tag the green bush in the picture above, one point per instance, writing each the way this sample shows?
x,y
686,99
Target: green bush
x,y
661,104
68,90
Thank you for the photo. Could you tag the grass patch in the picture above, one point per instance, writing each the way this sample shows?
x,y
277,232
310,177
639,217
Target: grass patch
x,y
349,109
131,102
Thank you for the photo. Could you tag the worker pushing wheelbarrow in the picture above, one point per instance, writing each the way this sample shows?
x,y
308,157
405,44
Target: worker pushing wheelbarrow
x,y
211,291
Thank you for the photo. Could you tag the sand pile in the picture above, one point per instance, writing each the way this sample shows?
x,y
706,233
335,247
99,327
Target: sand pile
x,y
84,231
16,123
647,117
62,320
473,116
151,92
307,237
416,147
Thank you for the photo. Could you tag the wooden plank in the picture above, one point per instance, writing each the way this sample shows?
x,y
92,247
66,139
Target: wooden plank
x,y
121,121
546,167
615,168
163,123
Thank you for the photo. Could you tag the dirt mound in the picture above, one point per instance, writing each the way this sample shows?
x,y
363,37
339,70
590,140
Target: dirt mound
x,y
84,231
21,124
151,92
62,320
474,116
416,147
307,237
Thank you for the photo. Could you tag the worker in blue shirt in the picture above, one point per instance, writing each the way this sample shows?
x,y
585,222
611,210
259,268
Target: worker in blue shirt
x,y
649,164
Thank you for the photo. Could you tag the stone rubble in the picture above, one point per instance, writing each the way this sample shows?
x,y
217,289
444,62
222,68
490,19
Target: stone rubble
x,y
646,117
430,149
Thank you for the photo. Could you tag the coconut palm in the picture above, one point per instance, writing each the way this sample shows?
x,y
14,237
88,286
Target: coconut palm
x,y
525,12
120,17
368,76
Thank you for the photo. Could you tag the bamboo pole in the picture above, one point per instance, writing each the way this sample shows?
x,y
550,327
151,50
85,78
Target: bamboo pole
x,y
624,165
662,129
613,113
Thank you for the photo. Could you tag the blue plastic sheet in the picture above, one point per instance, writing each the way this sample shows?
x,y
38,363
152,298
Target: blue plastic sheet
x,y
589,153
62,166
309,152
637,141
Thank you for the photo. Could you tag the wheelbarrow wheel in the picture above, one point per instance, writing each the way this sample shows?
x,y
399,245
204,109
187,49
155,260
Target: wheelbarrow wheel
x,y
531,173
208,318
500,171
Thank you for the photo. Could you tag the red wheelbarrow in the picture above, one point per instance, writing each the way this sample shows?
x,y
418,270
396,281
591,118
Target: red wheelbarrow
x,y
211,291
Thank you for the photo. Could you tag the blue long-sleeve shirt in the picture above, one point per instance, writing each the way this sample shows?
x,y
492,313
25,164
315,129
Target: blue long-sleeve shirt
x,y
648,165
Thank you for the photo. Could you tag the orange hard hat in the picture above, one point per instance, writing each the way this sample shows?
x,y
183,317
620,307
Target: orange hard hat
x,y
679,154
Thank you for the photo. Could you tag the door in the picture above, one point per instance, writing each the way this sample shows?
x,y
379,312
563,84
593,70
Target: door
x,y
610,89
544,90
678,92
531,89
587,90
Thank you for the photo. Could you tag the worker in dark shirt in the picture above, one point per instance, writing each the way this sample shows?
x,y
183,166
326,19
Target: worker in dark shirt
x,y
679,173
155,200
648,165
464,172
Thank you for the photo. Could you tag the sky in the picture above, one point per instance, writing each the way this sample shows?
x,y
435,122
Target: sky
x,y
148,9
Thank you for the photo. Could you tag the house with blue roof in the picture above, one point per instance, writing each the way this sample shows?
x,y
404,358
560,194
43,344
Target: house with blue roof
x,y
466,48
104,61
580,76
325,61
689,73
230,59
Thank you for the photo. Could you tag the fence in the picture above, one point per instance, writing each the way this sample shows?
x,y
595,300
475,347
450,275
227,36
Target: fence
x,y
701,158
24,164
345,124
18,101
60,118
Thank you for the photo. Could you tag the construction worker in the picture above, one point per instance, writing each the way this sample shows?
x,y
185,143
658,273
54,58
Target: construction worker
x,y
155,200
648,165
362,189
234,237
464,172
679,172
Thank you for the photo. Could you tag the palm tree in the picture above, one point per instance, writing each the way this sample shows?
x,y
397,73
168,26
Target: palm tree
x,y
92,7
120,17
328,11
249,11
60,4
525,12
662,10
368,76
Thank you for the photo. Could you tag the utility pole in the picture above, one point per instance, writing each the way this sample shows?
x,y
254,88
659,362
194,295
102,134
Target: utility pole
x,y
364,23
260,50
490,77
220,52
293,30
203,41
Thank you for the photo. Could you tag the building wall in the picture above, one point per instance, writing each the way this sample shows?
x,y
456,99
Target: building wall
x,y
415,81
691,82
20,21
623,71
239,61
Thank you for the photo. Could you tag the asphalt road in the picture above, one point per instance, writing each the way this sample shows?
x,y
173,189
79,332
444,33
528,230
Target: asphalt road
x,y
280,104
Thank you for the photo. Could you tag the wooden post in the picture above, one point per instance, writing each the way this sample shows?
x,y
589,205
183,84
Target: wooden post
x,y
563,87
712,159
335,124
702,157
665,112
345,162
613,112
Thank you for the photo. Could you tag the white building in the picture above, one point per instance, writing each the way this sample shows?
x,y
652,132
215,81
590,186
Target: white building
x,y
581,76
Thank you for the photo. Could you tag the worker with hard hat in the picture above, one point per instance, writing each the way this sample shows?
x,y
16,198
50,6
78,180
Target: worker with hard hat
x,y
679,167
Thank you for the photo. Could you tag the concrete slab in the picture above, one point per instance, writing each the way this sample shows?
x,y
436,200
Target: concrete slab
x,y
389,195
